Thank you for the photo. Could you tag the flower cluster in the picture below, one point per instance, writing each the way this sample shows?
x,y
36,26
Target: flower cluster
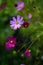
x,y
16,23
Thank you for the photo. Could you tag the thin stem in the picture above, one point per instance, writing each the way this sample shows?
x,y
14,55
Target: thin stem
x,y
35,39
31,43
22,47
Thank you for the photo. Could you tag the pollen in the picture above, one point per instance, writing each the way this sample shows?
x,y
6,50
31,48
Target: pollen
x,y
17,23
11,41
29,50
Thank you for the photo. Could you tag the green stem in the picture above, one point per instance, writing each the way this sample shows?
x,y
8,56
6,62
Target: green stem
x,y
31,43
35,40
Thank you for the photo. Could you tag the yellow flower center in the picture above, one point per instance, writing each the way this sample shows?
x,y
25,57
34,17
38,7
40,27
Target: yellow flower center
x,y
17,23
29,50
11,41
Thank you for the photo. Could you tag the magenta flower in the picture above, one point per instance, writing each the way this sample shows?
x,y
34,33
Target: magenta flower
x,y
2,6
27,53
20,6
16,22
30,16
26,24
10,43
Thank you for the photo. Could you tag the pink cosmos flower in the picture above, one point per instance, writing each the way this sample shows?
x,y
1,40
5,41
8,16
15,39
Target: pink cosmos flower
x,y
27,53
30,16
26,24
20,6
2,6
10,43
16,22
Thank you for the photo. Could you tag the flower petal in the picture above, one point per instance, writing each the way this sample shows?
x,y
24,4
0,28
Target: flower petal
x,y
18,17
12,26
11,45
14,19
21,18
30,16
12,22
21,21
18,26
10,38
20,6
15,27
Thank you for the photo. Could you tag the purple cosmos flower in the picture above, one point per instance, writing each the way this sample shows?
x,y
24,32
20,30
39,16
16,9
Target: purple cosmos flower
x,y
27,53
3,5
10,43
20,6
26,24
30,16
16,22
22,64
